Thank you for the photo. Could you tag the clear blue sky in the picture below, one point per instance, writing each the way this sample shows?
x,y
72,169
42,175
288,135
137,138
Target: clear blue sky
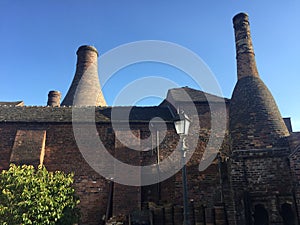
x,y
39,40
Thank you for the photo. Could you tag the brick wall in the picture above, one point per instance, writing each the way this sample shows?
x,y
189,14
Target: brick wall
x,y
61,153
261,177
295,169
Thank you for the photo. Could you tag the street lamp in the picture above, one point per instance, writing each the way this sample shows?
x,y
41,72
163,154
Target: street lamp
x,y
182,124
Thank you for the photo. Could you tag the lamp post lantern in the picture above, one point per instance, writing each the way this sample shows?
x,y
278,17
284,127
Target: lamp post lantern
x,y
182,124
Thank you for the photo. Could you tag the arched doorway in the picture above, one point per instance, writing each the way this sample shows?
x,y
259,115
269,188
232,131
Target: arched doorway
x,y
261,216
287,214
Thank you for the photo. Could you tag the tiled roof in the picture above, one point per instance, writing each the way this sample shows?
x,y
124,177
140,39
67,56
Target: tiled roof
x,y
140,113
64,114
179,95
17,103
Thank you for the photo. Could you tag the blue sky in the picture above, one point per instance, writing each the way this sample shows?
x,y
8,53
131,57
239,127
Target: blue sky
x,y
39,40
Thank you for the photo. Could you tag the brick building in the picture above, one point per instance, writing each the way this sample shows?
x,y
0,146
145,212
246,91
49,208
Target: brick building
x,y
254,178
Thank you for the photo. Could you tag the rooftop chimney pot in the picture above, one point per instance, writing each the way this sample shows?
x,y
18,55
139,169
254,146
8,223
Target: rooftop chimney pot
x,y
54,98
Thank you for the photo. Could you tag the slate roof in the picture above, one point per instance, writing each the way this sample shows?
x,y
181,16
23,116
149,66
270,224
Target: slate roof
x,y
139,113
17,103
178,95
11,112
64,114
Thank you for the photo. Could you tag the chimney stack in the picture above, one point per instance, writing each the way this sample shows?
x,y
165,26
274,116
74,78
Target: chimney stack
x,y
254,118
54,98
85,89
246,65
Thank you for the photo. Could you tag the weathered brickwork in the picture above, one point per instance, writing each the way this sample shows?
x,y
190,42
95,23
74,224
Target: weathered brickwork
x,y
260,172
253,177
246,64
255,121
261,177
54,98
61,153
29,147
294,159
85,89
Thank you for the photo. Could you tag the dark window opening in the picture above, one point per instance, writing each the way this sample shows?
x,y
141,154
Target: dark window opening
x,y
287,214
261,216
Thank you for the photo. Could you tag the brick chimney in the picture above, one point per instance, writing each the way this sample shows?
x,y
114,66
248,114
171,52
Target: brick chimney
x,y
246,65
254,118
54,98
85,89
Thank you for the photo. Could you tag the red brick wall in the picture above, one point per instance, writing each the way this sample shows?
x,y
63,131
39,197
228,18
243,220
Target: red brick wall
x,y
61,153
261,177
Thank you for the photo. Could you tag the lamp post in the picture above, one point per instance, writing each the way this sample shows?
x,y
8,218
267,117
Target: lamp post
x,y
182,124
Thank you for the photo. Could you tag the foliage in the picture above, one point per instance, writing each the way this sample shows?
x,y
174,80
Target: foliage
x,y
30,196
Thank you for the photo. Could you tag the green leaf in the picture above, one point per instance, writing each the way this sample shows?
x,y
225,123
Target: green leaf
x,y
29,196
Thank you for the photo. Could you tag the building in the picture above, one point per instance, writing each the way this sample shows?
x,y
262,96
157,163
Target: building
x,y
254,179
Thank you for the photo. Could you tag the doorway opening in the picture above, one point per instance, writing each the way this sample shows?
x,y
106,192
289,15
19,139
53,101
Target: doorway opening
x,y
261,216
287,214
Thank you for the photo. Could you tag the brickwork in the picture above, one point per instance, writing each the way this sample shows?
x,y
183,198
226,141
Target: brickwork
x,y
255,121
29,147
294,159
85,89
61,153
128,156
260,173
54,98
246,65
294,140
259,177
257,165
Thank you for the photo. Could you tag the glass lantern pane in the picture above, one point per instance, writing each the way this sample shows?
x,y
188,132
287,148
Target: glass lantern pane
x,y
186,126
179,126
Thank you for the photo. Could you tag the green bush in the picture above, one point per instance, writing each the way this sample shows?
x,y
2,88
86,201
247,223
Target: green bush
x,y
30,196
